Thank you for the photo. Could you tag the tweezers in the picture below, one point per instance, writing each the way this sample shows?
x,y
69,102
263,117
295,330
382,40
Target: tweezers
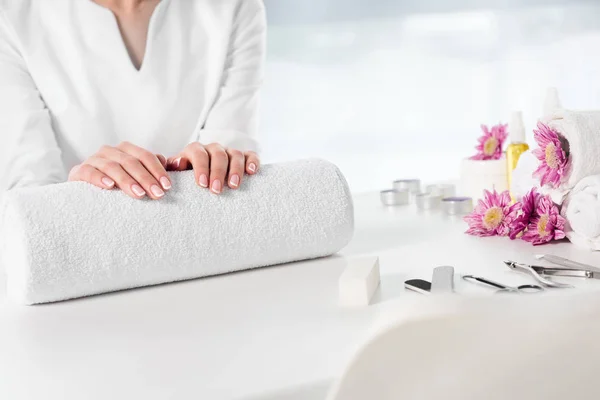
x,y
550,271
567,268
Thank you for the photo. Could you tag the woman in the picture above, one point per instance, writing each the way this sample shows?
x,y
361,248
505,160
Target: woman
x,y
118,92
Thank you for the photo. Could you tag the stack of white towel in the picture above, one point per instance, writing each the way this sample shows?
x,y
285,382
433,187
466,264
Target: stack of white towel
x,y
579,193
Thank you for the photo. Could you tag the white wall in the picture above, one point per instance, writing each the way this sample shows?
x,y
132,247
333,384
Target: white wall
x,y
403,95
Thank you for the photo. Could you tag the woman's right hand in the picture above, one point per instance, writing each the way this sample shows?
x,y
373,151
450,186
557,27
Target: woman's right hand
x,y
128,167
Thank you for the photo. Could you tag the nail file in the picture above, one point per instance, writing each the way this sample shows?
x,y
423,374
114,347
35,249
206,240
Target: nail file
x,y
442,280
418,285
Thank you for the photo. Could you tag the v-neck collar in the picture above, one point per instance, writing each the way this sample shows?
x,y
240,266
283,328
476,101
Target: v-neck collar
x,y
114,30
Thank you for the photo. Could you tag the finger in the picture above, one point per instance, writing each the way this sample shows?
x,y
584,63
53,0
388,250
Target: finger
x,y
178,163
89,174
122,179
137,171
163,160
236,168
151,163
199,160
218,167
252,162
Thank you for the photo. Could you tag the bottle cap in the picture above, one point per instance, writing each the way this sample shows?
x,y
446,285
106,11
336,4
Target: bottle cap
x,y
551,102
516,128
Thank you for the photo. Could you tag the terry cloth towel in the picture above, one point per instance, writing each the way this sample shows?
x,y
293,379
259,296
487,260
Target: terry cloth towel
x,y
581,209
72,239
582,130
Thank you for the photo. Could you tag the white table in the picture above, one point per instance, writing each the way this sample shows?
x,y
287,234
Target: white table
x,y
273,333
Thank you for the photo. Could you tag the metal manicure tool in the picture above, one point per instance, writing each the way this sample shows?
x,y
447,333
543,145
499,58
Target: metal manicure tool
x,y
567,268
539,276
442,282
503,288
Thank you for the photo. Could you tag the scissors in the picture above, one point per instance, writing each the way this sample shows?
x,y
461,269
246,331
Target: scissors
x,y
503,288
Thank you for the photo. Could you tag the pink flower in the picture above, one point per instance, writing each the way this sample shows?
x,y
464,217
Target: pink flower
x,y
553,159
529,205
546,225
491,143
493,215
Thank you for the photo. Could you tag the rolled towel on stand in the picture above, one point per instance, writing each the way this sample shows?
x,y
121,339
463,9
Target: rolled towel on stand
x,y
581,209
71,240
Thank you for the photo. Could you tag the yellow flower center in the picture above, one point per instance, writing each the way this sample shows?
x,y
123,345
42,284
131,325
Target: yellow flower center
x,y
543,225
490,145
551,158
493,217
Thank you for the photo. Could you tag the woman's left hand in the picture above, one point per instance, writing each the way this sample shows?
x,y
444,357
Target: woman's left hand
x,y
214,165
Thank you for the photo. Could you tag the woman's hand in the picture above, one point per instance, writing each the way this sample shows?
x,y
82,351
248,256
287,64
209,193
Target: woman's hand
x,y
128,167
214,165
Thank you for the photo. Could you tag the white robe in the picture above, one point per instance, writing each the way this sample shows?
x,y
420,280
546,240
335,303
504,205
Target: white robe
x,y
68,85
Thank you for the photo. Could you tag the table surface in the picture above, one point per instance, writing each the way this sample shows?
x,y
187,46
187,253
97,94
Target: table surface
x,y
271,333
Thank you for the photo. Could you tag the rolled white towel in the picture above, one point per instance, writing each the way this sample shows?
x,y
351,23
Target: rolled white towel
x,y
582,131
581,209
72,239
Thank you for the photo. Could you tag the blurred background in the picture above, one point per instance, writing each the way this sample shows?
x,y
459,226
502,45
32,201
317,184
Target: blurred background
x,y
392,89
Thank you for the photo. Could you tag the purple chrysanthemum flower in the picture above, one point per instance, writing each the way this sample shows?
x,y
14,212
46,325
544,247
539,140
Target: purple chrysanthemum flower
x,y
491,143
554,161
527,212
493,215
547,224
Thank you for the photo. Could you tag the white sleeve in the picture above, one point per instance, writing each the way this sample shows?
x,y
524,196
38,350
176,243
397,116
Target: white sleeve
x,y
30,154
233,119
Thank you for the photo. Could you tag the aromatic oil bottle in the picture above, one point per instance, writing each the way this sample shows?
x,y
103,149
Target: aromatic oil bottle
x,y
517,145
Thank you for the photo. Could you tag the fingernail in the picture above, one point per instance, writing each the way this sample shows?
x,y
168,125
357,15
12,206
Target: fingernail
x,y
165,183
108,182
176,162
216,186
234,181
158,192
138,191
252,167
203,180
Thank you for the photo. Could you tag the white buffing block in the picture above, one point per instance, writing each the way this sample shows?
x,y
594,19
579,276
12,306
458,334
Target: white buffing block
x,y
359,281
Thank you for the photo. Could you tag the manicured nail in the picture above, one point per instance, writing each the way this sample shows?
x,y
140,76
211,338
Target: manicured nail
x,y
234,181
216,186
138,191
252,167
176,162
158,192
165,183
109,183
203,181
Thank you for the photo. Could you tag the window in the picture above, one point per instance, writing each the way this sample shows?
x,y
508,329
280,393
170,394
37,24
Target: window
x,y
398,89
